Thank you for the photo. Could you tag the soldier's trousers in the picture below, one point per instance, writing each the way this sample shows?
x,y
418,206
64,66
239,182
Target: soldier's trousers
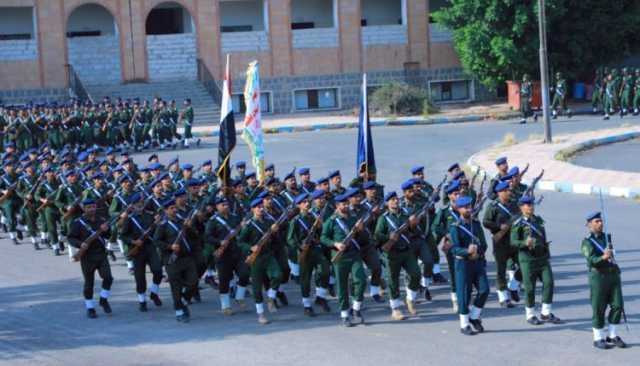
x,y
559,101
505,257
606,290
89,267
350,264
51,219
395,262
147,256
138,135
452,270
610,103
525,107
424,250
230,263
30,219
10,212
187,131
596,99
636,101
264,270
182,279
371,258
281,256
625,100
469,275
317,261
531,273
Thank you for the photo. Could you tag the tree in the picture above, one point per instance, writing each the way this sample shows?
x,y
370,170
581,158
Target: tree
x,y
497,40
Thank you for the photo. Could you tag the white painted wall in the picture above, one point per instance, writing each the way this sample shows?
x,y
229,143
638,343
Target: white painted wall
x,y
244,12
318,11
16,20
381,12
91,17
172,56
93,70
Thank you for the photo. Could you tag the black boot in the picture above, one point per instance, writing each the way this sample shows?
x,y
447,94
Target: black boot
x,y
601,344
196,295
357,317
309,312
467,331
617,341
377,298
282,297
143,307
534,320
346,322
156,299
105,305
19,235
332,290
438,278
91,313
515,295
36,246
323,304
112,255
477,325
427,294
550,319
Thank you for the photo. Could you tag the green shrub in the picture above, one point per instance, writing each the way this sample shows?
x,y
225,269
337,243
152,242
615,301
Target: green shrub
x,y
401,100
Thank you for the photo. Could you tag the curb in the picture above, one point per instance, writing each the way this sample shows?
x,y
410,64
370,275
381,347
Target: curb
x,y
579,188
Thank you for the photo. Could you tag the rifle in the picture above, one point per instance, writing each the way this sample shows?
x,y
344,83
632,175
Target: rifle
x,y
523,172
181,234
134,250
226,242
475,176
349,240
266,237
530,190
10,190
305,248
72,208
28,201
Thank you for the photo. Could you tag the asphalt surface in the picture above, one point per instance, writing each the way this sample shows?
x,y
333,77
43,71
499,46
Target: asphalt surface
x,y
608,157
42,317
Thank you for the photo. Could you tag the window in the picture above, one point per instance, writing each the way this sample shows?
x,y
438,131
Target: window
x,y
381,12
316,99
240,107
443,91
307,14
16,23
242,16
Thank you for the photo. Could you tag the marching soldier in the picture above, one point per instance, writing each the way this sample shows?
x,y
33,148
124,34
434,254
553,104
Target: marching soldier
x,y
503,168
526,94
45,195
10,200
636,93
306,185
560,96
336,181
27,185
605,284
626,91
278,244
529,237
597,96
611,94
186,116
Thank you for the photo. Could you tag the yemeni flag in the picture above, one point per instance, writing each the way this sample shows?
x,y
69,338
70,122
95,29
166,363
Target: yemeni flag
x,y
366,161
227,140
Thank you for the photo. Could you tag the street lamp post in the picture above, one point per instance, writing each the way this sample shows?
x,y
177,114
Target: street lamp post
x,y
544,71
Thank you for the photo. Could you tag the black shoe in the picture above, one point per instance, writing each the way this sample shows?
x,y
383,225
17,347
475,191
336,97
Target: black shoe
x,y
617,341
187,312
427,294
309,312
506,304
91,313
323,304
378,299
467,331
156,299
56,252
550,319
523,121
48,244
534,320
515,295
357,317
196,296
19,235
211,281
61,246
36,246
282,297
143,307
332,290
477,325
569,114
346,322
438,278
15,241
182,318
601,344
4,228
112,256
535,117
105,305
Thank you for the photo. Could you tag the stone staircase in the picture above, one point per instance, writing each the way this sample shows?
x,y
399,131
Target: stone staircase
x,y
207,110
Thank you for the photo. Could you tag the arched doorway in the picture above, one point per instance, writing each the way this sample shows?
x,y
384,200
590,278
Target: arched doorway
x,y
93,45
171,43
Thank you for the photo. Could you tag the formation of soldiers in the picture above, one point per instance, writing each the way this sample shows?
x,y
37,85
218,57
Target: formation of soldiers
x,y
616,92
179,221
119,123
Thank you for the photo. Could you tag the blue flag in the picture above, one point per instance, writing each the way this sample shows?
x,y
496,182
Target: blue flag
x,y
366,161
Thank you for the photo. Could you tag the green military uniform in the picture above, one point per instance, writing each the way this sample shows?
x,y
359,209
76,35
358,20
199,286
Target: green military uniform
x,y
526,93
68,198
48,190
11,205
611,94
445,217
25,190
187,119
626,90
560,96
636,93
597,96
425,247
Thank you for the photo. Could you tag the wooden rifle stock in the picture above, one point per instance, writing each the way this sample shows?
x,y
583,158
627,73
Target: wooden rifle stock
x,y
266,237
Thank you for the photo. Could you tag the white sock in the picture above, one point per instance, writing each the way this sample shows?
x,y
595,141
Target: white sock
x,y
142,298
105,293
179,312
186,142
295,268
121,246
306,302
89,304
357,305
33,240
43,236
271,293
259,308
395,303
154,288
546,309
597,334
530,312
12,235
129,264
502,295
425,281
474,312
454,297
464,320
225,301
209,273
612,331
436,268
321,292
344,314
411,295
110,246
240,292
374,290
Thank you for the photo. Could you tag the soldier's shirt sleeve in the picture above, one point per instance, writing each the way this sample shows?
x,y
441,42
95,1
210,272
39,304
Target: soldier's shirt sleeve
x,y
159,238
244,239
489,220
292,238
593,260
381,233
75,234
457,249
326,238
517,237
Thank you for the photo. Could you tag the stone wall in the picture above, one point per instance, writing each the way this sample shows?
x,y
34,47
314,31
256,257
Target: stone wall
x,y
16,50
172,57
384,34
244,41
23,96
96,60
315,38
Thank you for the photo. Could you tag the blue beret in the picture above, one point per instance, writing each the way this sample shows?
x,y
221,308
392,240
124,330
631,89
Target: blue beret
x,y
250,175
303,171
88,201
10,144
136,197
174,161
408,184
187,166
501,160
48,169
453,186
369,185
193,183
269,181
334,174
32,151
179,192
501,186
264,194
154,183
109,151
525,200
124,178
593,216
28,164
236,182
318,193
221,199
241,164
459,175
417,169
341,197
119,168
24,157
463,201
290,175
168,203
351,192
510,174
270,167
300,198
164,176
155,166
206,162
323,180
124,153
69,172
145,169
87,168
97,175
256,202
390,195
453,167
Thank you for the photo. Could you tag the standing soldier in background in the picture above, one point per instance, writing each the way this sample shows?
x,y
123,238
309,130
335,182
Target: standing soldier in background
x,y
526,93
636,94
186,116
503,168
597,97
611,94
626,90
560,96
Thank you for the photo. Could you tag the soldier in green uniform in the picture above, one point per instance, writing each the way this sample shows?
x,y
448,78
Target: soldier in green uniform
x,y
68,199
265,269
626,91
560,96
119,203
336,181
526,94
186,116
611,94
81,229
636,93
11,201
137,125
176,252
303,237
45,195
597,96
529,237
273,209
306,185
605,284
399,254
334,232
27,185
469,248
498,218
224,252
503,168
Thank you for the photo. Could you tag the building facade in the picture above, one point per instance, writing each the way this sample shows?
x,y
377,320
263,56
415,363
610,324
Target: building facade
x,y
312,53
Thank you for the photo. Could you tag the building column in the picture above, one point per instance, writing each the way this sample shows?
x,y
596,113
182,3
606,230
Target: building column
x,y
208,21
280,37
417,31
349,15
52,42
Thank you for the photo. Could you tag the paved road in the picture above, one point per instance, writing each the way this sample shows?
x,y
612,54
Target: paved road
x,y
42,316
608,157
